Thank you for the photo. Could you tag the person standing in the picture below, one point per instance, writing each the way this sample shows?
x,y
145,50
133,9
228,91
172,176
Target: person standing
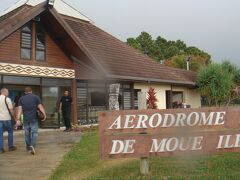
x,y
6,114
29,104
65,109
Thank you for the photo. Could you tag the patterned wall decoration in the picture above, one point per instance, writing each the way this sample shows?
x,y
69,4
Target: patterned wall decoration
x,y
37,71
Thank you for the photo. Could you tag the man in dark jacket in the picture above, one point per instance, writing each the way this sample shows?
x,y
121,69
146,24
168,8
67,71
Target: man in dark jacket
x,y
29,104
65,109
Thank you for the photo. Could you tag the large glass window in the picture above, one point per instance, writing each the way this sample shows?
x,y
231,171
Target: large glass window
x,y
98,98
21,80
40,43
26,41
50,97
56,82
91,97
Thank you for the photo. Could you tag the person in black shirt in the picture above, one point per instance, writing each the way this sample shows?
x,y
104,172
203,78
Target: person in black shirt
x,y
65,109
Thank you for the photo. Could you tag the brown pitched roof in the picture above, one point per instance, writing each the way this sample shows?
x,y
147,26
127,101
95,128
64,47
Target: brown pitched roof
x,y
116,59
122,61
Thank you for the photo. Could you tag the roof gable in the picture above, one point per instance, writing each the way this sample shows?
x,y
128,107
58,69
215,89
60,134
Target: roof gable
x,y
112,57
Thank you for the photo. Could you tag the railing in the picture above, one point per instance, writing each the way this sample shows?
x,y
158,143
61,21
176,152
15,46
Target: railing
x,y
88,114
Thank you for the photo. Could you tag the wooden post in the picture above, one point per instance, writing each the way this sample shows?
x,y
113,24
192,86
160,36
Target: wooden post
x,y
144,165
144,161
74,104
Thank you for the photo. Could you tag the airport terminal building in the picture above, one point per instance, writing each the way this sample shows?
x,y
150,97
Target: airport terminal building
x,y
53,47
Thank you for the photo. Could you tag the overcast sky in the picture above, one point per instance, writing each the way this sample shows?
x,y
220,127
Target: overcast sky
x,y
211,25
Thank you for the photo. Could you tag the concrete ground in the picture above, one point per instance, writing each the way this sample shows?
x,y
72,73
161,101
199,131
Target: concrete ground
x,y
51,147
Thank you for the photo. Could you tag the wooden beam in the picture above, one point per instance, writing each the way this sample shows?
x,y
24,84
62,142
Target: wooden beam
x,y
74,104
15,22
78,41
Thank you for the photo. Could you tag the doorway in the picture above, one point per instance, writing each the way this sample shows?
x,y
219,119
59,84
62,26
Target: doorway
x,y
50,99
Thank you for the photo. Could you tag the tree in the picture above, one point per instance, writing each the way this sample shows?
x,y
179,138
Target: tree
x,y
181,45
134,43
152,99
179,61
146,45
215,83
235,71
171,52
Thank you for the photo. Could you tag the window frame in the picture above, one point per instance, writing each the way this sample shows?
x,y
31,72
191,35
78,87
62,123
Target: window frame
x,y
38,26
178,92
31,39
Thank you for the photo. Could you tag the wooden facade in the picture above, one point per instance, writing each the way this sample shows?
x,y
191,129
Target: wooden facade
x,y
55,57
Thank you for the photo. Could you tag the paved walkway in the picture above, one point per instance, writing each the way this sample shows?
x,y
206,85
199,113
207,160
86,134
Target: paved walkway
x,y
52,146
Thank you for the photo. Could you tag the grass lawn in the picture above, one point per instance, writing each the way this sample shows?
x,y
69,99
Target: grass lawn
x,y
83,162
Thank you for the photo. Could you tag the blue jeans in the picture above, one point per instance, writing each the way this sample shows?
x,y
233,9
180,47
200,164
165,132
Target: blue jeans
x,y
6,125
31,133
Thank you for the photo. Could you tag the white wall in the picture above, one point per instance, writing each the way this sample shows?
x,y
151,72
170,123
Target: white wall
x,y
191,97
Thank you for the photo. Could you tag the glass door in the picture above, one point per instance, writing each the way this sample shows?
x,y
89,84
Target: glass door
x,y
50,99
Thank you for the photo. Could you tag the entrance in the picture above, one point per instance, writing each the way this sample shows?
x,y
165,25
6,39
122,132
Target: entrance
x,y
48,89
49,97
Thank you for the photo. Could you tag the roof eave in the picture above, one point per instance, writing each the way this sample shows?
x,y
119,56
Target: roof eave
x,y
7,28
153,80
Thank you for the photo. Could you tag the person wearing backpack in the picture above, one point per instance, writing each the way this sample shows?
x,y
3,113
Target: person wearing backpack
x,y
6,121
29,104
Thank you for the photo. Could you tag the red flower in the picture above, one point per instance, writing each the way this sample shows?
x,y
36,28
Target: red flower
x,y
152,99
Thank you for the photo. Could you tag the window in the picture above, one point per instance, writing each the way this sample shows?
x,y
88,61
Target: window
x,y
177,99
98,98
177,96
174,99
125,96
40,44
91,97
21,80
26,41
136,91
